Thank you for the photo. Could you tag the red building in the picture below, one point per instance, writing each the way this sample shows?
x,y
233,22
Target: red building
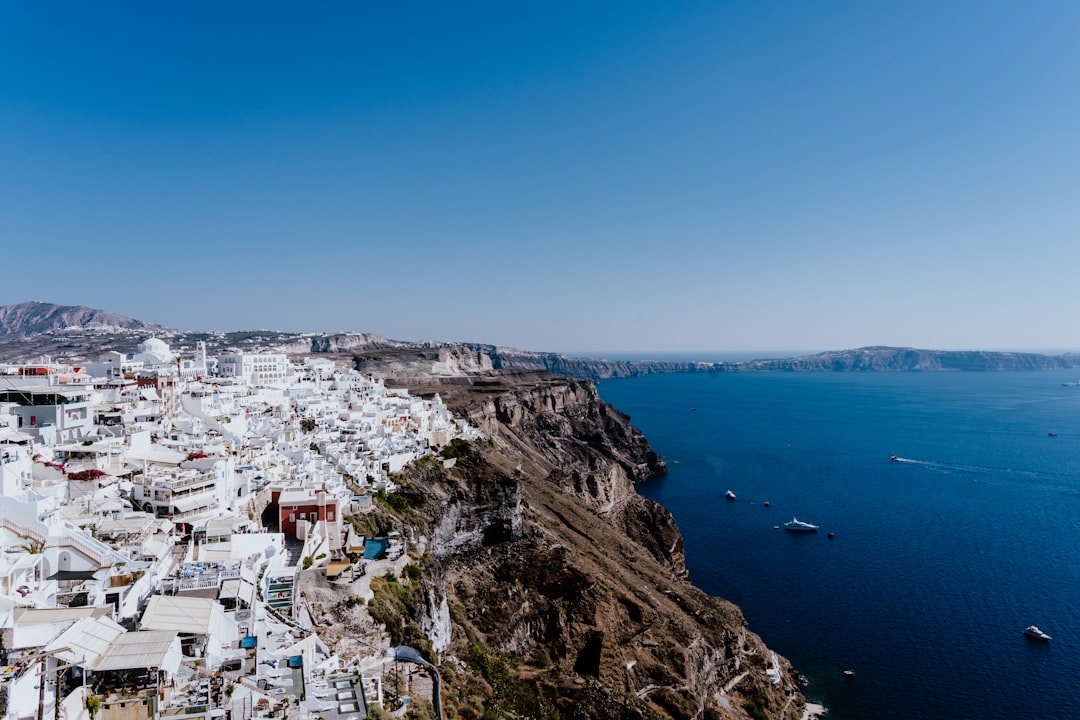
x,y
299,504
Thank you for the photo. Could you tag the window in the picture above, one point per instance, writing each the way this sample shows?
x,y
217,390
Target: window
x,y
330,516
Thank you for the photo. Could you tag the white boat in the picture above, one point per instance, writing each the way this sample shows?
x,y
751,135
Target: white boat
x,y
1036,634
729,495
797,525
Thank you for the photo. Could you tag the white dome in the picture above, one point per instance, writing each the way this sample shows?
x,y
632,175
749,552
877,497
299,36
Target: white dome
x,y
154,346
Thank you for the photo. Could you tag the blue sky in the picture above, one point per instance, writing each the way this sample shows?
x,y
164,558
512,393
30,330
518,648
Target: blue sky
x,y
606,176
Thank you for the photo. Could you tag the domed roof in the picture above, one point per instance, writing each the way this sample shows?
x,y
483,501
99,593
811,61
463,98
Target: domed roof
x,y
155,346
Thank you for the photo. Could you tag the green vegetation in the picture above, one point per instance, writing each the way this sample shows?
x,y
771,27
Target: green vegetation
x,y
394,605
510,695
373,524
308,562
412,572
755,709
395,501
307,425
454,449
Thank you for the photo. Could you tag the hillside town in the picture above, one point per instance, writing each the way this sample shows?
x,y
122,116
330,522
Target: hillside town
x,y
158,513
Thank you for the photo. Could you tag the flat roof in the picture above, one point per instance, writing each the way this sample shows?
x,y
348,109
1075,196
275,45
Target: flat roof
x,y
144,649
185,614
86,640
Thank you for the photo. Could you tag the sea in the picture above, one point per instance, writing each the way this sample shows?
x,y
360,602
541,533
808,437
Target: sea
x,y
938,560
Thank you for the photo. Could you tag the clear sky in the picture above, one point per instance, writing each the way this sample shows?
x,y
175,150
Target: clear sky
x,y
579,176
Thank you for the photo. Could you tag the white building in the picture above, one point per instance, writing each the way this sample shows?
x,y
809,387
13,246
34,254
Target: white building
x,y
256,368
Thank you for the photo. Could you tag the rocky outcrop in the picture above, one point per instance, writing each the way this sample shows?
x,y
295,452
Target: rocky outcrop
x,y
347,342
561,590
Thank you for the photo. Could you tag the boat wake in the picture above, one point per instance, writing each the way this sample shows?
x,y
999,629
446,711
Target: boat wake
x,y
947,467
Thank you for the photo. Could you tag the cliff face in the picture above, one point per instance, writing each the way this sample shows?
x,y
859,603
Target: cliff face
x,y
410,362
562,590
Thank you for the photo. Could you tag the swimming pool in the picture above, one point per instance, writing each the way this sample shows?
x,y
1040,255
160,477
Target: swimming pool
x,y
375,548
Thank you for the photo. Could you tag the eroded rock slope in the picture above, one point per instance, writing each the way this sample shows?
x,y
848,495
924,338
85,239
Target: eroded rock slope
x,y
562,591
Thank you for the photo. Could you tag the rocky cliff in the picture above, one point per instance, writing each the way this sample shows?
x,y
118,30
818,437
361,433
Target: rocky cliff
x,y
561,591
416,361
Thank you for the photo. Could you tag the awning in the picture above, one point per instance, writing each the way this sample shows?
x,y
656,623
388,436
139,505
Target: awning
x,y
63,575
86,640
334,569
192,502
183,614
146,649
156,454
9,434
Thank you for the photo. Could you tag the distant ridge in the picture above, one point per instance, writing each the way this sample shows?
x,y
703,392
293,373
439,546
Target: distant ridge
x,y
35,327
866,359
27,319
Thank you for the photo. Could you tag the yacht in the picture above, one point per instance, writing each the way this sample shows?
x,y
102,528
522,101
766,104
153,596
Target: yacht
x,y
1036,634
729,495
797,525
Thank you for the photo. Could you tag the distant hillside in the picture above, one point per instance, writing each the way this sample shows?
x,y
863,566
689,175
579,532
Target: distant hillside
x,y
892,359
31,329
35,318
867,359
402,363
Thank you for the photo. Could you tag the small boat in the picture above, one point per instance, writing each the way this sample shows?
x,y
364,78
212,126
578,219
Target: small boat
x,y
832,535
1052,433
894,458
797,525
849,673
1035,633
766,503
729,495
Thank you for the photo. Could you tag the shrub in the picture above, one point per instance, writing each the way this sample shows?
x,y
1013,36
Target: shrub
x,y
395,501
455,448
756,710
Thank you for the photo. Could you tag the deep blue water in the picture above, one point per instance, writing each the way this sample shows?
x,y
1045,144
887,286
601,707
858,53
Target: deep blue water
x,y
939,561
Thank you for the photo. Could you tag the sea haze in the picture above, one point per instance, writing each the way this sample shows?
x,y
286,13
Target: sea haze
x,y
939,561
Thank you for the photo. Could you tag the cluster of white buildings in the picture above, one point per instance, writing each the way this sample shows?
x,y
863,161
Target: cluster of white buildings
x,y
155,511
